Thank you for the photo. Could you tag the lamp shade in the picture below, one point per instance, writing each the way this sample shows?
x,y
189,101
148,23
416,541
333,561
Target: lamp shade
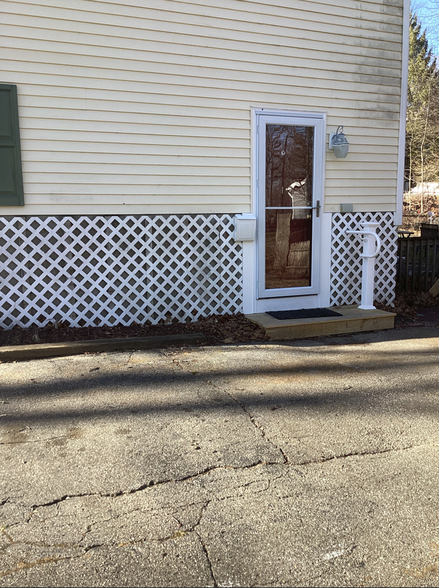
x,y
341,151
340,144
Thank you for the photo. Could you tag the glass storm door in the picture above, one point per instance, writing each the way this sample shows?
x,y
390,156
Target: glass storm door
x,y
290,196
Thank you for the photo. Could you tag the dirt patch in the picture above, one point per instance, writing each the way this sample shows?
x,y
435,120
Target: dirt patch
x,y
217,329
414,310
425,316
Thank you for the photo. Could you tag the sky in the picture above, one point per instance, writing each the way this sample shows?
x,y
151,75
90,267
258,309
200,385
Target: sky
x,y
428,12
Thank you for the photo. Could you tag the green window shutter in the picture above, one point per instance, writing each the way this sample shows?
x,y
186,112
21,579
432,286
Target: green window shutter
x,y
11,180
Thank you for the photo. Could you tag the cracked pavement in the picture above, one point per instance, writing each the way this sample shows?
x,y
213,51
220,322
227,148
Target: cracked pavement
x,y
310,463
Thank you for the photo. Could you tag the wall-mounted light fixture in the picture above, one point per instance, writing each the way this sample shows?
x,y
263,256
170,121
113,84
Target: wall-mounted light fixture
x,y
339,143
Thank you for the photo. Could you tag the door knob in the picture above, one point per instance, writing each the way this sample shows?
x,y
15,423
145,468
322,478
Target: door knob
x,y
317,208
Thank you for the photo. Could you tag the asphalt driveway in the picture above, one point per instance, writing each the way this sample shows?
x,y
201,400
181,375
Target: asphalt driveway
x,y
313,463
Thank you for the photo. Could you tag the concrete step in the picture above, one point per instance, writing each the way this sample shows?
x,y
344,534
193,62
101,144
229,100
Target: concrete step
x,y
352,320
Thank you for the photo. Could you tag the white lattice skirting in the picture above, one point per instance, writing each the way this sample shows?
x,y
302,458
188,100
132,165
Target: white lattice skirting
x,y
346,263
106,270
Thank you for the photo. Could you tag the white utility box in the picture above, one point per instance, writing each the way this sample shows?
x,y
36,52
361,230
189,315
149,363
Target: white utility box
x,y
245,227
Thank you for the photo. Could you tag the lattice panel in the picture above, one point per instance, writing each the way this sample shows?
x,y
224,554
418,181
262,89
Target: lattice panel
x,y
346,263
118,269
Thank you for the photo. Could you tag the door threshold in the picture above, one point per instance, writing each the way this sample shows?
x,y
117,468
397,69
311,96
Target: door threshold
x,y
352,320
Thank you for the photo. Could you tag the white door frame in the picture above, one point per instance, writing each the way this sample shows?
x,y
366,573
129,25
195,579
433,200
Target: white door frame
x,y
251,302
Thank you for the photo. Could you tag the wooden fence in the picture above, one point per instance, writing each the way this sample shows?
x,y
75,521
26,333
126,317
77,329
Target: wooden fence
x,y
418,264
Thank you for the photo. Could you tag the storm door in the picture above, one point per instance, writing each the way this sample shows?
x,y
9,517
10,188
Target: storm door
x,y
290,199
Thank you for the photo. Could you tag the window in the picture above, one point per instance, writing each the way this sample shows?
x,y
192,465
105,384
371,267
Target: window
x,y
11,181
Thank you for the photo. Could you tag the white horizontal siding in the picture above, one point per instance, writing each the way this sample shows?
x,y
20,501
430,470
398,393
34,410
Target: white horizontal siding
x,y
135,107
338,99
203,77
172,53
195,47
99,18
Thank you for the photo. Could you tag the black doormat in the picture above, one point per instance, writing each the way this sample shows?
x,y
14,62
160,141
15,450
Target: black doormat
x,y
284,315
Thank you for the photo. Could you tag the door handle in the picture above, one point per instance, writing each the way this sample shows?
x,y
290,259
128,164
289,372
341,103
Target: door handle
x,y
317,208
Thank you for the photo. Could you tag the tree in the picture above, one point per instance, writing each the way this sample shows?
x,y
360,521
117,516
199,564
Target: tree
x,y
422,144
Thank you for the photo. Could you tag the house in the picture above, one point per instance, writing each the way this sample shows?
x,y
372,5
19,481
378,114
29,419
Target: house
x,y
426,188
137,137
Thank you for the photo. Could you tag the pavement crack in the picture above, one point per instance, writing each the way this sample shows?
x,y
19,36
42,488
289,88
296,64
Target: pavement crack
x,y
8,537
256,424
209,562
180,524
153,484
357,454
58,500
252,418
28,565
177,535
147,486
194,476
208,470
44,544
202,511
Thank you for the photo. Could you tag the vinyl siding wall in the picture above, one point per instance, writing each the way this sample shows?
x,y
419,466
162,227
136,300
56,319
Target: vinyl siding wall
x,y
144,106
